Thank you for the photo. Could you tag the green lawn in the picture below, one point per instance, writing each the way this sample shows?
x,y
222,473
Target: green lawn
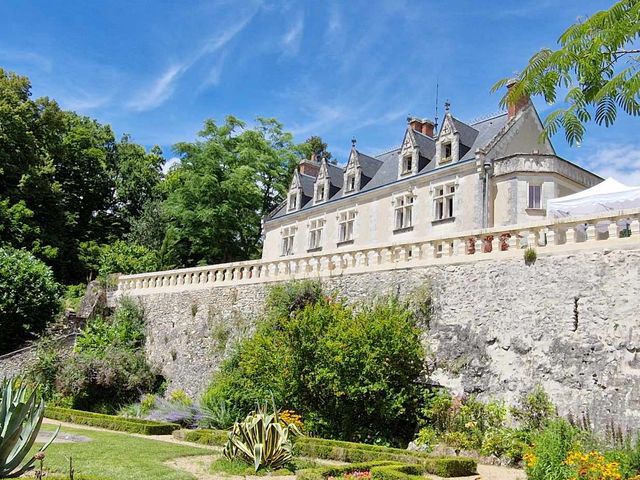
x,y
117,456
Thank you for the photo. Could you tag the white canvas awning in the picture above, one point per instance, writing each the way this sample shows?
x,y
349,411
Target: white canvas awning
x,y
607,196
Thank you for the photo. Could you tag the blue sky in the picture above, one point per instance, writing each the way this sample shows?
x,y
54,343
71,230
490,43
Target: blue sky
x,y
338,69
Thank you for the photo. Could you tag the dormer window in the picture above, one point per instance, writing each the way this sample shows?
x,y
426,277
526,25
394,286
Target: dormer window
x,y
320,191
293,201
351,182
446,152
407,164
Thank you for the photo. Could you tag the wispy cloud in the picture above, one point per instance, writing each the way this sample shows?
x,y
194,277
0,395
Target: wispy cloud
x,y
164,86
161,89
215,72
24,57
621,161
292,39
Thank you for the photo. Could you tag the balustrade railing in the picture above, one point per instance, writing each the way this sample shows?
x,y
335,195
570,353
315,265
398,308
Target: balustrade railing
x,y
614,228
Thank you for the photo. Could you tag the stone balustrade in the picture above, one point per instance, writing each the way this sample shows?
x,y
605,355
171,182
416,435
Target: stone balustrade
x,y
611,230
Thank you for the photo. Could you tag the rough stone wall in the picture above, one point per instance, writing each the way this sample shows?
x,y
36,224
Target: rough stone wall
x,y
569,322
18,362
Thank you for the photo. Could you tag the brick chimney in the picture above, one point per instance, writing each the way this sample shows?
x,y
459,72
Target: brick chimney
x,y
515,107
423,125
310,166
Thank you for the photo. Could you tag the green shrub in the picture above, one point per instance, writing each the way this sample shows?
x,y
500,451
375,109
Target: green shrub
x,y
530,256
29,297
217,414
550,449
451,466
110,422
534,410
73,296
460,422
427,438
124,330
505,442
353,373
216,438
336,471
395,470
105,382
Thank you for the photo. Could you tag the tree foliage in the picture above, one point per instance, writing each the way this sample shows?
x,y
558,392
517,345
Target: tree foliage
x,y
65,180
596,63
351,372
29,297
225,183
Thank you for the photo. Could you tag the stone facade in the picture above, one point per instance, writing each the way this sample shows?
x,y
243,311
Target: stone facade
x,y
568,322
494,172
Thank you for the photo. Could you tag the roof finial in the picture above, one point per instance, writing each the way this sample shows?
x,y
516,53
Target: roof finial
x,y
435,125
353,142
447,105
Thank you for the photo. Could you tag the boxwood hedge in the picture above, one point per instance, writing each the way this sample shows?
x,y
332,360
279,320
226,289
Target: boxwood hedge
x,y
110,422
357,454
203,436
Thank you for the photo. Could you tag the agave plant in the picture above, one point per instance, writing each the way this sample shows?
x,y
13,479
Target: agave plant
x,y
261,440
21,413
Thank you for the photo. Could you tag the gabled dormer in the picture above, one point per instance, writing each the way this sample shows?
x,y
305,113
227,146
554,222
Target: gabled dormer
x,y
454,140
417,148
322,185
409,155
359,171
352,172
448,143
294,197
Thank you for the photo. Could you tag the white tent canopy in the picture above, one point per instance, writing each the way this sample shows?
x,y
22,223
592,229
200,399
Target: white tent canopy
x,y
607,196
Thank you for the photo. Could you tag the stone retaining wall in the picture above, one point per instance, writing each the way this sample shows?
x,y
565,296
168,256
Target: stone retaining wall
x,y
569,322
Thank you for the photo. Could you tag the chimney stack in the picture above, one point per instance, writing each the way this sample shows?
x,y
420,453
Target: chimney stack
x,y
311,166
423,126
515,107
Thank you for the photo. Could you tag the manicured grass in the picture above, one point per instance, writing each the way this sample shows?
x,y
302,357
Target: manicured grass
x,y
116,456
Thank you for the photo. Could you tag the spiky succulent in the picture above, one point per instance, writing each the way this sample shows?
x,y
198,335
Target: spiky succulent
x,y
261,440
21,413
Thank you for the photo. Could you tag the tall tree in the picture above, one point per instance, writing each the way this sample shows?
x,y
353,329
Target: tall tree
x,y
597,63
137,177
314,145
226,181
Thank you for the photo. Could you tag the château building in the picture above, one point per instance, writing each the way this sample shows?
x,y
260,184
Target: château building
x,y
494,172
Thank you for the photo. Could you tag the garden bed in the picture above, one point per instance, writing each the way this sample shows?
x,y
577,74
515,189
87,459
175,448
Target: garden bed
x,y
110,422
355,454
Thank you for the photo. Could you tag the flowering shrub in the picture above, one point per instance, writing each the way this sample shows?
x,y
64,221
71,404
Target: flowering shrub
x,y
357,475
592,466
288,417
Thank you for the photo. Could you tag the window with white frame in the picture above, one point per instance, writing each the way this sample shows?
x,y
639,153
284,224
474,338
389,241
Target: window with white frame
x,y
320,192
315,233
407,164
444,200
288,235
403,207
535,196
346,221
293,201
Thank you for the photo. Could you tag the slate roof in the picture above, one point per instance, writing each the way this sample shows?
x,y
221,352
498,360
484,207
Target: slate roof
x,y
383,169
307,182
